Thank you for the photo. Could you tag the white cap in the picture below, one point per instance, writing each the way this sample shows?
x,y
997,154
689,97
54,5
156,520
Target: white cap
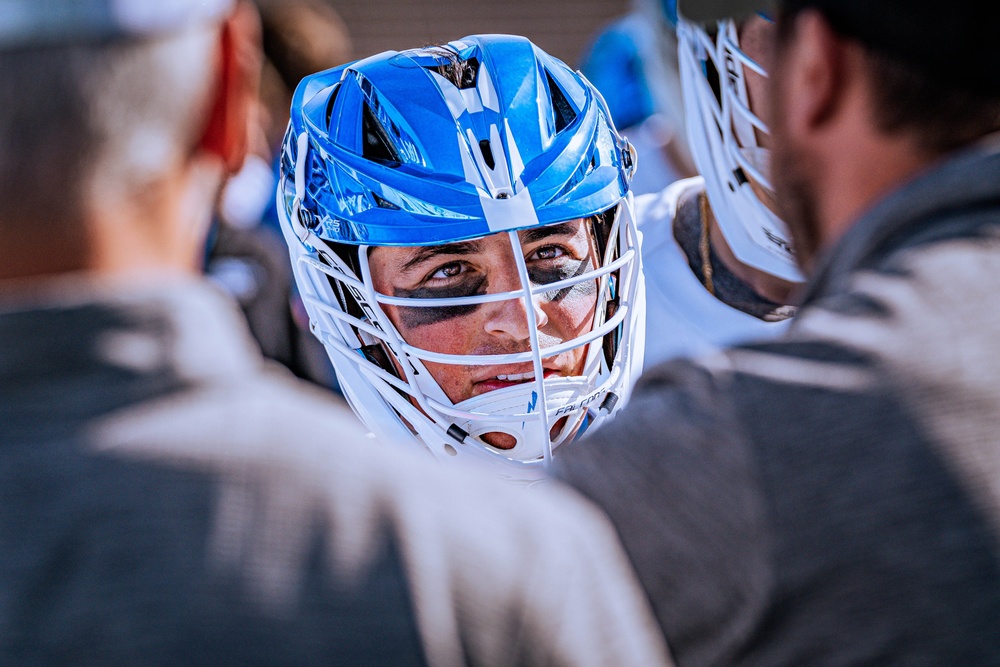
x,y
34,22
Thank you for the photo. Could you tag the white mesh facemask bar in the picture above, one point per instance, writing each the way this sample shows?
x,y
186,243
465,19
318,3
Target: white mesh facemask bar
x,y
428,401
536,359
741,124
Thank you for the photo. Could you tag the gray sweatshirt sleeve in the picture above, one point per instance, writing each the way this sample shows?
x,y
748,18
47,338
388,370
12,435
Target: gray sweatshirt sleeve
x,y
675,476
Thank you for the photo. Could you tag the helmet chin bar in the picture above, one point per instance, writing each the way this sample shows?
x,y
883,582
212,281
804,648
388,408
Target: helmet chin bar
x,y
538,414
722,136
529,436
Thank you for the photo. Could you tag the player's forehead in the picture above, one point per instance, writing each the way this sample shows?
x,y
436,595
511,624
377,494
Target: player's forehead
x,y
391,260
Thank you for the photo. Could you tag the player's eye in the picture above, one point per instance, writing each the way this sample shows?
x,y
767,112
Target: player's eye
x,y
548,252
450,270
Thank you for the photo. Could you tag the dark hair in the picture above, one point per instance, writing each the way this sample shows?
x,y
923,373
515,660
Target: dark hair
x,y
461,73
47,140
941,114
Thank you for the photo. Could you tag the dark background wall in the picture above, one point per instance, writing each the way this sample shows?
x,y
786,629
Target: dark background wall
x,y
561,27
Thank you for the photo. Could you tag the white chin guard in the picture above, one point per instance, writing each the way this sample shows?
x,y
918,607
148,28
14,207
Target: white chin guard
x,y
522,399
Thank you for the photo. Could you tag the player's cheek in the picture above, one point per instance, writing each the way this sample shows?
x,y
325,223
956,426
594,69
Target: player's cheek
x,y
453,380
449,335
574,313
415,317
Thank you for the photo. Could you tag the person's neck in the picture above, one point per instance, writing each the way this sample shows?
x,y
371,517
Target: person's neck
x,y
161,229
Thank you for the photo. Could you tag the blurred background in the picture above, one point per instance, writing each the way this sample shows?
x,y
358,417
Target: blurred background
x,y
561,27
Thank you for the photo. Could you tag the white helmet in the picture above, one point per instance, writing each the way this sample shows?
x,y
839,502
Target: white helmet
x,y
722,133
389,152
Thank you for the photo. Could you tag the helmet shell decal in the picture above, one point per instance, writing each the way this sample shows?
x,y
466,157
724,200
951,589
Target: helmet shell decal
x,y
442,186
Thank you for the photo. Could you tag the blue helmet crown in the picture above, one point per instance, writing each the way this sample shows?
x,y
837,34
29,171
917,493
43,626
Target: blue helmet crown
x,y
484,134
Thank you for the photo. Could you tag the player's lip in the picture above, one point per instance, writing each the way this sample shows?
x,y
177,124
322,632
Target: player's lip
x,y
508,377
517,377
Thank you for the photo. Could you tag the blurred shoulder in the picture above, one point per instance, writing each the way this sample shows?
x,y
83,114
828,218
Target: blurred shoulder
x,y
658,209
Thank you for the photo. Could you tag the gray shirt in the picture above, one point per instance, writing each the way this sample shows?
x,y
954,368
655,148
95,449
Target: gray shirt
x,y
166,496
832,497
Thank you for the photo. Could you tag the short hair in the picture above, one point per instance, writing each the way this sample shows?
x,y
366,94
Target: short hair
x,y
82,116
941,115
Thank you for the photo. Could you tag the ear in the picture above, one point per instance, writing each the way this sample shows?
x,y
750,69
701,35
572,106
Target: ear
x,y
812,78
237,88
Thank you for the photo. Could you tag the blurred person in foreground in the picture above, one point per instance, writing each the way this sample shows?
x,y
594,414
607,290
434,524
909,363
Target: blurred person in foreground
x,y
245,252
165,494
831,498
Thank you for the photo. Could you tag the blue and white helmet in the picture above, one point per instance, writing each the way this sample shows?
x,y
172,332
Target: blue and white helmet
x,y
723,138
484,135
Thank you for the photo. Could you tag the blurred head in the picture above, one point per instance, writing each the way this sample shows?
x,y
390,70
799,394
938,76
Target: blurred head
x,y
109,113
462,233
926,86
299,37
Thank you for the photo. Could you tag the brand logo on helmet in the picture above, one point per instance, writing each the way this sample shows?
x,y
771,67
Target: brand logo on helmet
x,y
583,402
369,312
784,245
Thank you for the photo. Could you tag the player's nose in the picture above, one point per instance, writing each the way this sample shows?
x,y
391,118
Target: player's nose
x,y
510,318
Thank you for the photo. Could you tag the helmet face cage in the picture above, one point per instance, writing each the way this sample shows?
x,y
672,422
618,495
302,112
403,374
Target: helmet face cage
x,y
346,314
385,377
722,132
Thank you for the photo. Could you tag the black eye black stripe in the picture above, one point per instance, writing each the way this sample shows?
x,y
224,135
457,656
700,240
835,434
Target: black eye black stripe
x,y
414,316
570,269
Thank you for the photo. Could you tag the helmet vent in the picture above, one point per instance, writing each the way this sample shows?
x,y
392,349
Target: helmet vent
x,y
329,107
382,202
462,74
562,111
487,151
376,145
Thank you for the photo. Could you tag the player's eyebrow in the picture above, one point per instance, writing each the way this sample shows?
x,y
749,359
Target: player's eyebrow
x,y
539,233
429,252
